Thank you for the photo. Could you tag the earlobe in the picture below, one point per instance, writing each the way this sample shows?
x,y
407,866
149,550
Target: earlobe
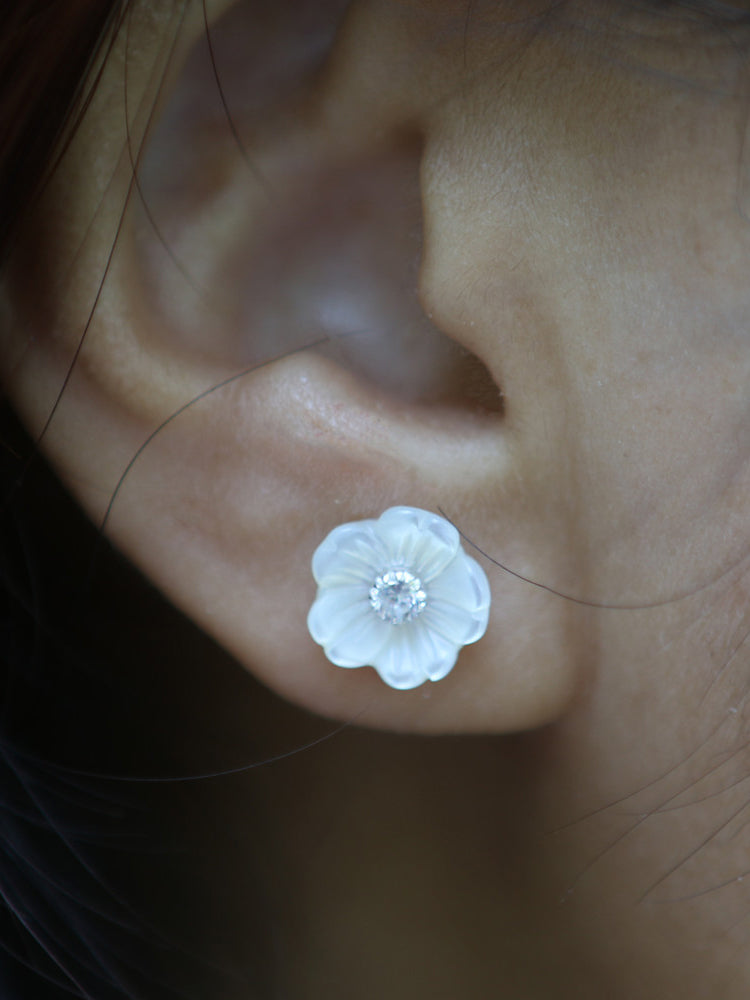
x,y
219,478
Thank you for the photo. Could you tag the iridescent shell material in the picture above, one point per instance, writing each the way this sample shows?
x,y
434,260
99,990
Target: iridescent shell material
x,y
399,594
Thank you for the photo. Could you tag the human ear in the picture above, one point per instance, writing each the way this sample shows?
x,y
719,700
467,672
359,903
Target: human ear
x,y
218,414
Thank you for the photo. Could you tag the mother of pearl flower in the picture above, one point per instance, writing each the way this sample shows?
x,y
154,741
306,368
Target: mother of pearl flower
x,y
398,594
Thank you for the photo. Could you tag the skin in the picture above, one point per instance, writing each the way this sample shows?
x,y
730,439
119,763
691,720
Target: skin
x,y
560,194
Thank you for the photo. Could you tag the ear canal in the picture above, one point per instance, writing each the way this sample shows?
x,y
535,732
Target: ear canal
x,y
251,367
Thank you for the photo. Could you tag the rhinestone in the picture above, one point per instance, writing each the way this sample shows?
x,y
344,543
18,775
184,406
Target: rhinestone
x,y
397,596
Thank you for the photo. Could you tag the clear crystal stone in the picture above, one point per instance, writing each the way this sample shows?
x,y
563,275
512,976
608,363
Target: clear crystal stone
x,y
397,596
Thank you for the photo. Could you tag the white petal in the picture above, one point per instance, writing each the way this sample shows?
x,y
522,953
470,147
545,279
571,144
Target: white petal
x,y
418,540
457,625
442,663
335,610
351,553
462,583
396,667
361,643
414,655
438,653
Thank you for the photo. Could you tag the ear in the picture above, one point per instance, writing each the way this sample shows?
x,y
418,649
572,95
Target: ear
x,y
226,355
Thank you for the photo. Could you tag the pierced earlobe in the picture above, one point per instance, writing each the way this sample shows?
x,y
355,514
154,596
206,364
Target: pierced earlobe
x,y
398,594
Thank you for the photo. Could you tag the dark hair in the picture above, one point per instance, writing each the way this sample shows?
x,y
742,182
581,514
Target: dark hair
x,y
64,837
46,52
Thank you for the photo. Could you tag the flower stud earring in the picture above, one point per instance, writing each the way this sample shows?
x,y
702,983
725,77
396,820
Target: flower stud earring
x,y
398,594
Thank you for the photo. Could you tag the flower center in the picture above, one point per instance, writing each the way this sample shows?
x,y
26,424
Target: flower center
x,y
397,596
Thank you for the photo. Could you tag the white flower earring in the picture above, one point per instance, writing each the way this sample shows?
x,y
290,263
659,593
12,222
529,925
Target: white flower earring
x,y
398,594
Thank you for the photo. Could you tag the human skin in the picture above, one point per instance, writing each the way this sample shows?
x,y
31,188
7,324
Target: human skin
x,y
580,179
